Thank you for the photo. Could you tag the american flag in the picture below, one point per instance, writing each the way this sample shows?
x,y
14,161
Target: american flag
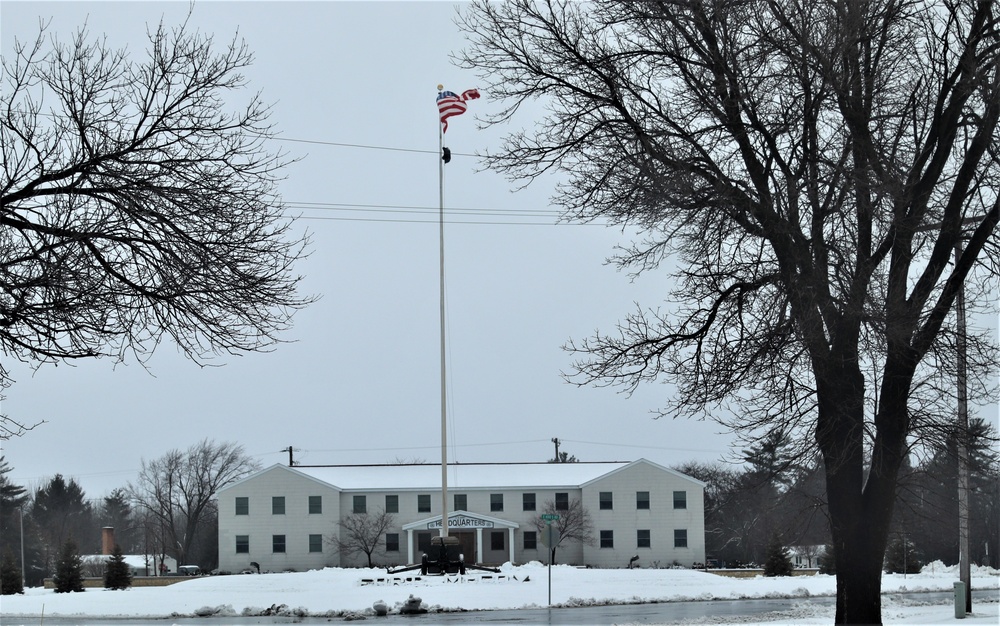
x,y
451,104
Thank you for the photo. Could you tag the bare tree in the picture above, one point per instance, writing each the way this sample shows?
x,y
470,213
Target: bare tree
x,y
574,524
810,168
134,206
178,490
362,532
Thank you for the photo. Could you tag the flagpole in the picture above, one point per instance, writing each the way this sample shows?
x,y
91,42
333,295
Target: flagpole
x,y
444,395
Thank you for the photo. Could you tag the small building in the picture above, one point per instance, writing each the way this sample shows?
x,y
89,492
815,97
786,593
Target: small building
x,y
139,564
285,518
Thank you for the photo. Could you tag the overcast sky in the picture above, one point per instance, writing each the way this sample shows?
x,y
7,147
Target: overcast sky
x,y
360,381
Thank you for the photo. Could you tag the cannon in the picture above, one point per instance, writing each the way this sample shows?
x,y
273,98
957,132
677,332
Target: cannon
x,y
444,557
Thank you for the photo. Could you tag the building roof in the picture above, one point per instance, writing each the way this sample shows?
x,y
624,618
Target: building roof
x,y
135,561
461,476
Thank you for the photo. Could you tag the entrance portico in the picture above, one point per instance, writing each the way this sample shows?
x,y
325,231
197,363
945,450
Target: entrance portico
x,y
459,521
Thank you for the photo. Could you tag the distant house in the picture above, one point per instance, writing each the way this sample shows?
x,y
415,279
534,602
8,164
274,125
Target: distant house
x,y
282,518
807,556
139,564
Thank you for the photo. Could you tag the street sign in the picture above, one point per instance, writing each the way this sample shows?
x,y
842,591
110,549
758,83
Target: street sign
x,y
550,517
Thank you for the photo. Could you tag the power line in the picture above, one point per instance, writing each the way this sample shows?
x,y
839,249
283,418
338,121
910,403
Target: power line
x,y
627,445
409,208
430,221
367,146
385,213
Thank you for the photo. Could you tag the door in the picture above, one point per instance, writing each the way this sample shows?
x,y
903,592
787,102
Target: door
x,y
467,539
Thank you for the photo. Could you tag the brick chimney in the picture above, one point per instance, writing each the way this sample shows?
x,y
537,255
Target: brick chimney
x,y
107,540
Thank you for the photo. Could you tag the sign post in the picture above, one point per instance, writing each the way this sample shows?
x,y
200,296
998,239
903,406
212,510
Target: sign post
x,y
550,543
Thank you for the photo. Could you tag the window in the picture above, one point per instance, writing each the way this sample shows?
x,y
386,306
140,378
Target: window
x,y
360,504
242,544
424,542
606,502
392,542
461,502
680,500
424,503
562,501
496,501
528,502
278,505
243,506
607,539
642,539
315,505
278,544
496,540
642,499
392,504
680,538
530,540
315,543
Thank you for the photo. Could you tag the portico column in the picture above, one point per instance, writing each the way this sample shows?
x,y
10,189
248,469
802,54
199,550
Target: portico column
x,y
510,537
479,545
409,546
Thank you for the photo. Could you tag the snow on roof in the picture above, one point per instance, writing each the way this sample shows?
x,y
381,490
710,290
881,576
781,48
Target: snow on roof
x,y
135,561
460,475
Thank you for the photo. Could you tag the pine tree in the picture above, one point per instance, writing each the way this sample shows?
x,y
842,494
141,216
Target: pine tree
x,y
828,561
69,570
117,574
10,576
901,557
778,562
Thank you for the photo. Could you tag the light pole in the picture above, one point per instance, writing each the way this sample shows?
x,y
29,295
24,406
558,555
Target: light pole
x,y
20,519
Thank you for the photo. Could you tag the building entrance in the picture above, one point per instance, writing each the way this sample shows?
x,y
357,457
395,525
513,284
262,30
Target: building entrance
x,y
467,539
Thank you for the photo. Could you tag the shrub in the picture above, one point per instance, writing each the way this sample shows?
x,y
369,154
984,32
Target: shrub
x,y
10,576
117,574
778,562
69,569
901,557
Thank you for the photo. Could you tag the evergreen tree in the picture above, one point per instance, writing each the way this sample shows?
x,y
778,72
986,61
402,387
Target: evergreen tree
x,y
828,561
901,557
61,510
10,576
12,499
117,574
115,511
69,570
778,562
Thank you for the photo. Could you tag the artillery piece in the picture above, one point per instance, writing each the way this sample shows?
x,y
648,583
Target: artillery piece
x,y
444,557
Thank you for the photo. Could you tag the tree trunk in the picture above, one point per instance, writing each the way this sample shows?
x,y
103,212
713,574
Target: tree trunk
x,y
840,435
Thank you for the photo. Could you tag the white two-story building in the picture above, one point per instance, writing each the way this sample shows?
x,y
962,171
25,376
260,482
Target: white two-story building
x,y
284,518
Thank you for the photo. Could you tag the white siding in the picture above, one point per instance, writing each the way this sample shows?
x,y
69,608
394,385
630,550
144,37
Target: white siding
x,y
623,480
661,519
260,525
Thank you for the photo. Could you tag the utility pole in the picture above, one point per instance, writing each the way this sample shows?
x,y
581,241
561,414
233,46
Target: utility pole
x,y
964,572
962,424
555,440
291,460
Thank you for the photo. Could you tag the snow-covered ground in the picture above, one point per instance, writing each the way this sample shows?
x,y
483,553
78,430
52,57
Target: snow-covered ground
x,y
343,592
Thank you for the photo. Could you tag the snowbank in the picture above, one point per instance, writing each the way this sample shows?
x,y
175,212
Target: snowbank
x,y
335,592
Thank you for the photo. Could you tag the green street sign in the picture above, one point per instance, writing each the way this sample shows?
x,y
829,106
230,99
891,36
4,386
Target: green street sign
x,y
549,517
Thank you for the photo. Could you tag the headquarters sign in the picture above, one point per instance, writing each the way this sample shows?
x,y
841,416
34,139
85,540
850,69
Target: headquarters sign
x,y
463,521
